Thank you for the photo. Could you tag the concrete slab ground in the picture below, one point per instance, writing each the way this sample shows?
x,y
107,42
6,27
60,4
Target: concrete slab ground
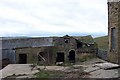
x,y
107,65
26,71
103,69
16,69
95,67
104,74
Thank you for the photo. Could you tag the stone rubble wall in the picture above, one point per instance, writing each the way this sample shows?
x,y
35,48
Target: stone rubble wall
x,y
113,22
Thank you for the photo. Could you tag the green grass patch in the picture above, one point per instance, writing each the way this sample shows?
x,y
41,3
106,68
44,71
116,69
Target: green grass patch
x,y
102,42
49,74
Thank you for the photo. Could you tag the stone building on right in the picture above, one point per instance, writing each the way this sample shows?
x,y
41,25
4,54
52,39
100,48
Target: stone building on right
x,y
114,30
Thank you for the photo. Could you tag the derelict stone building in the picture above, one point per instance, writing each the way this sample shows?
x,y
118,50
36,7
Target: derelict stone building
x,y
9,46
52,49
114,30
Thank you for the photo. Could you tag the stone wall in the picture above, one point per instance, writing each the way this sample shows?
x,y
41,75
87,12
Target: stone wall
x,y
119,33
0,53
113,11
49,46
103,54
65,44
8,45
32,54
113,0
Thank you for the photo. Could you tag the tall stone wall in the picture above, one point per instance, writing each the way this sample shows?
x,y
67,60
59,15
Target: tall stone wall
x,y
113,22
0,53
119,33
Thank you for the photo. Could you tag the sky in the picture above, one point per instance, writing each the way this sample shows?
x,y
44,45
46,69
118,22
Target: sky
x,y
36,18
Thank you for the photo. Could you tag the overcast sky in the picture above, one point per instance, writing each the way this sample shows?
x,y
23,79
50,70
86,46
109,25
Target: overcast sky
x,y
53,17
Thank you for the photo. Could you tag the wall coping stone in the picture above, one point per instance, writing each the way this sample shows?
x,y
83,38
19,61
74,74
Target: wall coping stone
x,y
113,0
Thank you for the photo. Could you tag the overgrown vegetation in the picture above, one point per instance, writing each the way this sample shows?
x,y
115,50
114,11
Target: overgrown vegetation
x,y
102,42
61,74
86,39
49,74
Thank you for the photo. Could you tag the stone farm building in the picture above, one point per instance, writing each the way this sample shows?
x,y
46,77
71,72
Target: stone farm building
x,y
114,30
52,49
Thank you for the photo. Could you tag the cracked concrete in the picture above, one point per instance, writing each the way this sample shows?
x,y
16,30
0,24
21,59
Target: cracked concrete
x,y
98,70
95,67
17,69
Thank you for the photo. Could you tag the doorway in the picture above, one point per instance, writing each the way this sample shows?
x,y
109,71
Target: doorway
x,y
22,58
40,56
71,56
60,57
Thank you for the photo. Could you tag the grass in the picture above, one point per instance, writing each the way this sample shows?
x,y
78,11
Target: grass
x,y
86,39
60,74
49,74
102,42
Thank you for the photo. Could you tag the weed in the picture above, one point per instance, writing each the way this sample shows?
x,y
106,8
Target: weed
x,y
48,74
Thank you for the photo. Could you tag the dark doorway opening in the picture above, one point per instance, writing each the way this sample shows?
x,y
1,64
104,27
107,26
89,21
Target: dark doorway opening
x,y
40,55
60,57
41,58
22,58
113,38
72,56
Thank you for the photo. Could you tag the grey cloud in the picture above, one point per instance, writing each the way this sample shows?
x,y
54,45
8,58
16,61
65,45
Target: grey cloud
x,y
64,10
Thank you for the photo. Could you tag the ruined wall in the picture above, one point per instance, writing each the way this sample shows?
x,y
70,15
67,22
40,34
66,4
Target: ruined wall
x,y
49,46
32,54
32,46
119,33
65,44
113,12
8,45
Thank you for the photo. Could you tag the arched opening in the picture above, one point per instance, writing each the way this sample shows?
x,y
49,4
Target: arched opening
x,y
60,57
71,56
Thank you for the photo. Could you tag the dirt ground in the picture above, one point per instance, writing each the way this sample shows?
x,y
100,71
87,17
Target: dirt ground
x,y
87,69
